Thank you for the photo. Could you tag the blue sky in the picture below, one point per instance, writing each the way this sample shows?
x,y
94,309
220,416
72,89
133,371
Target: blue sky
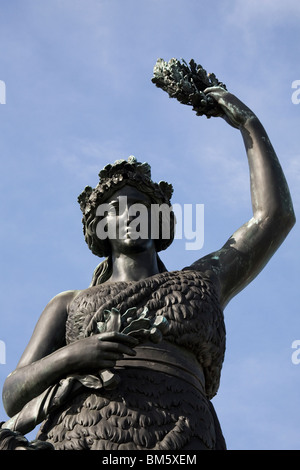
x,y
78,96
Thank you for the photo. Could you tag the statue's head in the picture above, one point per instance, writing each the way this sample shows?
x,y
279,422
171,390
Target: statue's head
x,y
113,181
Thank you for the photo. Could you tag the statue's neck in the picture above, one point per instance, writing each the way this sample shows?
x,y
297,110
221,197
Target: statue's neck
x,y
133,267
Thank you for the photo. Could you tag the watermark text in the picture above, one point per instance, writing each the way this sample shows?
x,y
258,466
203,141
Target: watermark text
x,y
296,353
296,93
120,220
2,92
2,352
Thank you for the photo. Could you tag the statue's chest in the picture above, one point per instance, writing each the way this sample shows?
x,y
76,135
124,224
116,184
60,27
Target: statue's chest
x,y
187,301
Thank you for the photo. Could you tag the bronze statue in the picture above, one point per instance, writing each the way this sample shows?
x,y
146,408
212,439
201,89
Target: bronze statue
x,y
133,361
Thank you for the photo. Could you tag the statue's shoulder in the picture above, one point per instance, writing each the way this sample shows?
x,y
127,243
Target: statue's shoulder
x,y
203,272
61,302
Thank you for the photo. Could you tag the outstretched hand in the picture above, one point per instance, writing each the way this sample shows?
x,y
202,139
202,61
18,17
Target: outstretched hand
x,y
234,111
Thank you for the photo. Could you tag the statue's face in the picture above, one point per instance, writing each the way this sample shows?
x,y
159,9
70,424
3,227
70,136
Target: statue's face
x,y
128,221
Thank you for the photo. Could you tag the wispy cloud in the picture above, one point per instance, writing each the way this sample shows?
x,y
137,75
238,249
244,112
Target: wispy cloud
x,y
83,158
266,11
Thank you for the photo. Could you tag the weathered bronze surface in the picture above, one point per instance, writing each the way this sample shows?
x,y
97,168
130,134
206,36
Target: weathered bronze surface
x,y
133,361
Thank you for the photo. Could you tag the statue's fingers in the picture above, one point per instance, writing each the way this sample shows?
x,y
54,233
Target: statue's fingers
x,y
215,91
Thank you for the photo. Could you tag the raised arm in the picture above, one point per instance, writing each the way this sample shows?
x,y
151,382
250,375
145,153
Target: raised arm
x,y
249,249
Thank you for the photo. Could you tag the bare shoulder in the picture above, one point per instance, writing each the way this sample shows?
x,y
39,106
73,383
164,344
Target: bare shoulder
x,y
63,299
56,311
49,332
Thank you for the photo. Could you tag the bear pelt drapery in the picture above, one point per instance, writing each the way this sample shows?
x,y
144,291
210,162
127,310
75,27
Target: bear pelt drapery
x,y
148,408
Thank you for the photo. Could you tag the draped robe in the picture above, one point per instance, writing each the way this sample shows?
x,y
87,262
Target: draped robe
x,y
158,402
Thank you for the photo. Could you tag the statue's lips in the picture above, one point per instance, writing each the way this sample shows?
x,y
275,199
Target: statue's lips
x,y
132,233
